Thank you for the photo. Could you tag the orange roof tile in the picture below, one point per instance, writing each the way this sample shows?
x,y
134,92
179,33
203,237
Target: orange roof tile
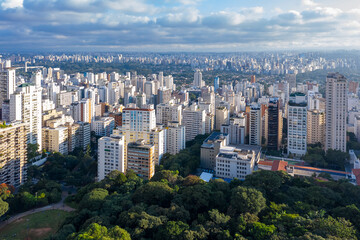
x,y
279,165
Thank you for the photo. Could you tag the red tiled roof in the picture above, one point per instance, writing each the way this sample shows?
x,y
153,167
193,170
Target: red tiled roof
x,y
267,163
279,165
356,172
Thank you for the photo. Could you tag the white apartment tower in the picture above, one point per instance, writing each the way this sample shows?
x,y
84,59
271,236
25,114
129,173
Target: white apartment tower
x,y
175,137
194,121
25,106
7,83
166,112
297,124
198,82
255,125
110,155
336,112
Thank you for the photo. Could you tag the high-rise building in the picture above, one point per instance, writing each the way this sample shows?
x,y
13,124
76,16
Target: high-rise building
x,y
275,125
316,127
166,112
140,159
139,119
198,82
236,129
175,137
55,139
221,117
194,121
13,157
104,126
297,124
7,82
291,79
141,124
25,106
216,83
110,155
255,125
336,112
253,79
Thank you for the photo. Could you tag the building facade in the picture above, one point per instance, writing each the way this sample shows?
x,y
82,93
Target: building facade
x,y
110,155
336,112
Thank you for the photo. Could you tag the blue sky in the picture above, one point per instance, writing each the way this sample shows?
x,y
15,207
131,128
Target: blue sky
x,y
178,25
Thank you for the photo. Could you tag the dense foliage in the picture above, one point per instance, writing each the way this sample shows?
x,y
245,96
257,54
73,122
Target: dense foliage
x,y
267,205
331,159
77,168
186,161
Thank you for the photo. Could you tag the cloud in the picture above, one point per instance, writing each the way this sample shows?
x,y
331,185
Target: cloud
x,y
8,4
141,24
309,3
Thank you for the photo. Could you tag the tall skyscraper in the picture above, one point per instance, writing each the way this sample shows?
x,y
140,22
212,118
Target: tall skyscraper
x,y
110,155
297,124
198,82
7,82
335,113
194,121
141,159
175,137
291,79
255,125
166,112
216,83
275,124
13,157
25,106
316,127
140,123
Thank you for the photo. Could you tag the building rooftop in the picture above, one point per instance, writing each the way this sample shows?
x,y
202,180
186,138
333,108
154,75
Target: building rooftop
x,y
215,136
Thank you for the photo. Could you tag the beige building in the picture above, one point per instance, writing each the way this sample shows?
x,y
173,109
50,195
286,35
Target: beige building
x,y
316,127
13,153
210,148
221,117
336,112
55,139
141,159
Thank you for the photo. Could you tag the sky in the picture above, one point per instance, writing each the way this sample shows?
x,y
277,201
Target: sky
x,y
179,25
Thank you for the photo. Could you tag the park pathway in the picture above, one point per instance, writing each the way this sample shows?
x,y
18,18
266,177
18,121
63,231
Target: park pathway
x,y
58,206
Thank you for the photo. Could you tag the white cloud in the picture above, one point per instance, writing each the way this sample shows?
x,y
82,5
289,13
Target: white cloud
x,y
309,3
8,4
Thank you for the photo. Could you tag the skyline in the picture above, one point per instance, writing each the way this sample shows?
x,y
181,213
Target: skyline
x,y
182,25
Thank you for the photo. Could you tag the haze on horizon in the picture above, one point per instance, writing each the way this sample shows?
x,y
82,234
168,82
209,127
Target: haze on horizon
x,y
178,25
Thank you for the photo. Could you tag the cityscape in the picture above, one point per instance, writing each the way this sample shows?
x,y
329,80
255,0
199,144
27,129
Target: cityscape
x,y
181,137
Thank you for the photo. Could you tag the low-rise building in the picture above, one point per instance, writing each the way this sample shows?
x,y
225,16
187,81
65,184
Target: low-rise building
x,y
234,162
210,148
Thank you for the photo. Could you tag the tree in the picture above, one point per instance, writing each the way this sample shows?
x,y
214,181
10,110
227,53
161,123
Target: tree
x,y
262,231
94,199
98,232
267,181
172,230
154,193
245,199
4,207
330,227
32,150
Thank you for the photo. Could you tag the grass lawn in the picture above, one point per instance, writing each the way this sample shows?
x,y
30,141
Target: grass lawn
x,y
34,226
